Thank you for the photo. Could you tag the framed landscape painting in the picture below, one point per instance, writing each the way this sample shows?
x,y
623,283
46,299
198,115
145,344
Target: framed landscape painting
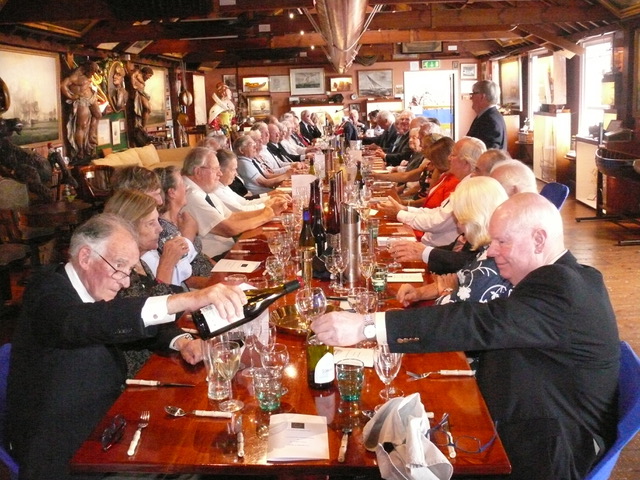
x,y
33,80
307,81
259,106
157,87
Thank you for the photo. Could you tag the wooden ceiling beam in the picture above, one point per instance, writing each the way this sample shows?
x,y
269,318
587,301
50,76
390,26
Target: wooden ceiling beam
x,y
569,48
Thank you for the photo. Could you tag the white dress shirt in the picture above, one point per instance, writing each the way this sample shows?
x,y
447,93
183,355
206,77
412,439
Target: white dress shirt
x,y
235,202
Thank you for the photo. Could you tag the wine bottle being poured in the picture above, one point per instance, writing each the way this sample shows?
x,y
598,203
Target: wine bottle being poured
x,y
210,324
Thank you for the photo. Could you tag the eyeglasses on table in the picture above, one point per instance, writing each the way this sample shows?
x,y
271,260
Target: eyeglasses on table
x,y
440,435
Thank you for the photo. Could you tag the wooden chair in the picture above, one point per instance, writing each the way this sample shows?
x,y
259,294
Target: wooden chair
x,y
96,183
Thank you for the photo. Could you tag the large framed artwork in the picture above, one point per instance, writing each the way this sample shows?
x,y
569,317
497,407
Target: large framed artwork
x,y
307,81
375,83
279,84
33,80
158,89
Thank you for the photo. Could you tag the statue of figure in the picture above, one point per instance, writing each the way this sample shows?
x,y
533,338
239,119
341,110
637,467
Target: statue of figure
x,y
142,100
117,92
223,108
82,125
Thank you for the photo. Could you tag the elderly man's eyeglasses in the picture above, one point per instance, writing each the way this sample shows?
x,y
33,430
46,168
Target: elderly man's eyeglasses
x,y
476,93
117,274
112,434
441,436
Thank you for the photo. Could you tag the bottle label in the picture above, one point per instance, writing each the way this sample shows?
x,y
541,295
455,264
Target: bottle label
x,y
324,372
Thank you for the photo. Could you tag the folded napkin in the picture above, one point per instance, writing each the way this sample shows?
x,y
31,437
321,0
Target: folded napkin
x,y
397,433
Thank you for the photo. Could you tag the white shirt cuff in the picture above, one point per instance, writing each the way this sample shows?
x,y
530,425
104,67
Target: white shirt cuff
x,y
381,327
425,254
155,311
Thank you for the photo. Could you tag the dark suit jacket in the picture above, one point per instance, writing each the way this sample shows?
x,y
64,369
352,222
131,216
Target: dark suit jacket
x,y
400,153
548,368
445,260
490,128
309,132
350,131
385,141
279,152
66,371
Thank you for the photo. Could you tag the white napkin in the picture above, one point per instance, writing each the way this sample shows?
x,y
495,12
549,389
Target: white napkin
x,y
403,423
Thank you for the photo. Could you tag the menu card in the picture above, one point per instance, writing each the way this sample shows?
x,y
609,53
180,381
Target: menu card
x,y
404,277
294,436
238,266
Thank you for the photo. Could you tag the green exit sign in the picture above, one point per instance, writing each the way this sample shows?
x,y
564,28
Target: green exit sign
x,y
431,64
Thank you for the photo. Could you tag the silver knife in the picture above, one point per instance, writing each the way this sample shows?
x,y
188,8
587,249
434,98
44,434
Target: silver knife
x,y
155,383
237,427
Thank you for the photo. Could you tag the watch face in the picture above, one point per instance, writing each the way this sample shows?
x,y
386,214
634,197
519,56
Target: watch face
x,y
369,331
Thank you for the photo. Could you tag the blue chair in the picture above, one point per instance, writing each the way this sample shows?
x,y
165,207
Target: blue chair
x,y
5,353
628,412
556,193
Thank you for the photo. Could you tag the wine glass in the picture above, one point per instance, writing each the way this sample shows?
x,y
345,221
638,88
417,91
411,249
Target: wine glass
x,y
275,243
387,366
288,221
311,303
367,266
366,302
274,267
394,266
277,357
330,263
251,333
341,265
353,297
225,358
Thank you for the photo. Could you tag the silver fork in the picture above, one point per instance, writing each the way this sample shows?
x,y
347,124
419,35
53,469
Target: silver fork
x,y
142,423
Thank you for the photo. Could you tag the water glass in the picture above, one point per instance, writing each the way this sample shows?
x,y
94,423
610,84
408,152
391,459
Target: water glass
x,y
217,386
267,385
275,268
350,376
374,227
379,278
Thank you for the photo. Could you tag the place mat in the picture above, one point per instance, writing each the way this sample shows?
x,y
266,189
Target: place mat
x,y
404,278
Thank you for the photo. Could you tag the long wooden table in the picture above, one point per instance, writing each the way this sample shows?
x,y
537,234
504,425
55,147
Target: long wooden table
x,y
208,446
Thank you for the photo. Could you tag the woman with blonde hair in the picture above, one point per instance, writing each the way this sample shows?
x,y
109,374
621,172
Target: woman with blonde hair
x,y
473,202
140,210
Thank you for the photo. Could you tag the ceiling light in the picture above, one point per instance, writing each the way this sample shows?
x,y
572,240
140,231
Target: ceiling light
x,y
313,47
291,15
301,32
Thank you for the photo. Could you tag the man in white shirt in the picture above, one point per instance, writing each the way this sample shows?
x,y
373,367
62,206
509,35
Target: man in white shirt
x,y
217,225
437,223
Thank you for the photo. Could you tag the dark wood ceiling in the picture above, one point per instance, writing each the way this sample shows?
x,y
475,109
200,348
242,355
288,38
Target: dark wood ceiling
x,y
228,33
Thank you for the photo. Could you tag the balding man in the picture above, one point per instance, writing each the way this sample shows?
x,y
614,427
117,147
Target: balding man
x,y
487,161
67,365
515,177
488,125
549,353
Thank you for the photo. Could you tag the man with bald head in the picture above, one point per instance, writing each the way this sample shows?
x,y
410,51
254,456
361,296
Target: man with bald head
x,y
549,353
515,177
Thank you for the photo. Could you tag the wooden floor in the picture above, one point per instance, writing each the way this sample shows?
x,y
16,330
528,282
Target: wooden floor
x,y
593,243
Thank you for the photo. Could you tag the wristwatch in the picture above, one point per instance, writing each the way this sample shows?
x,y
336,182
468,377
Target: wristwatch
x,y
369,329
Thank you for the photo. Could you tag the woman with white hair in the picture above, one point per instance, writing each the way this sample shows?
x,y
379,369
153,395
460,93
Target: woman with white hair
x,y
474,201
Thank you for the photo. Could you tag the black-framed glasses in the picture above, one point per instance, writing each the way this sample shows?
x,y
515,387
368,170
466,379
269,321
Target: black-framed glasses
x,y
440,435
117,274
114,432
476,93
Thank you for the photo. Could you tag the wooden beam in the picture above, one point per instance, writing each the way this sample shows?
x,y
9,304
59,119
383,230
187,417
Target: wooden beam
x,y
567,46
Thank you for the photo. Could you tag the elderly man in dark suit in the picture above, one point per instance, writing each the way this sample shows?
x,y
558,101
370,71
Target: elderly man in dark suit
x,y
385,141
308,129
67,367
549,353
488,125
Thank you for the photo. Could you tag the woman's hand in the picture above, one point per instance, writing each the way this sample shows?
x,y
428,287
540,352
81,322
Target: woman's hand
x,y
191,350
407,294
446,283
278,204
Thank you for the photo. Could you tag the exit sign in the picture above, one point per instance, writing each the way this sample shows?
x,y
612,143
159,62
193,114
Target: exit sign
x,y
431,64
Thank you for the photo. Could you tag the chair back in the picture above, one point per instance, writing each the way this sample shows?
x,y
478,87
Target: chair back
x,y
556,193
5,354
628,412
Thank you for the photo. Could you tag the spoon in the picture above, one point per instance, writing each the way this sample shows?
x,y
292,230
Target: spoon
x,y
178,412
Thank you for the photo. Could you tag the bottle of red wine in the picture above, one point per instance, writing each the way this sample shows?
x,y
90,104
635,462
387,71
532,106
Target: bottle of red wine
x,y
210,324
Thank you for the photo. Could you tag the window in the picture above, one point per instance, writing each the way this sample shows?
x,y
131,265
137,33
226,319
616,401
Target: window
x,y
596,61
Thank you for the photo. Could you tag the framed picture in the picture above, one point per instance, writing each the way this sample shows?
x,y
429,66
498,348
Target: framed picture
x,y
375,83
33,81
307,81
259,106
230,81
255,84
510,82
279,83
156,88
340,84
468,71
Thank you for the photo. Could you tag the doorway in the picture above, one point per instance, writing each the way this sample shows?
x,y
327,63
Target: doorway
x,y
433,94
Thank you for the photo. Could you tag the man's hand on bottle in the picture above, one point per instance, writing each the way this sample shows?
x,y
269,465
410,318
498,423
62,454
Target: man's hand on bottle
x,y
227,299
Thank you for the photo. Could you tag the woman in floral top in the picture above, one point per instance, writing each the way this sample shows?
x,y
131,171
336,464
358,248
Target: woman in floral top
x,y
473,203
